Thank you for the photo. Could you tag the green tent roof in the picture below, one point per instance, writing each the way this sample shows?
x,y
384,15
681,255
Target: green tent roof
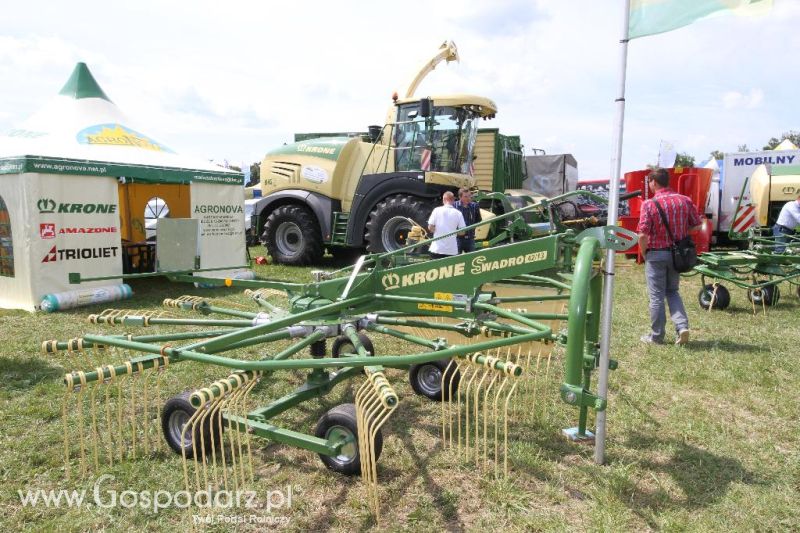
x,y
81,84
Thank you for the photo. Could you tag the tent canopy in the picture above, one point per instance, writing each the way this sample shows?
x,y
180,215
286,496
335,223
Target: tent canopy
x,y
81,131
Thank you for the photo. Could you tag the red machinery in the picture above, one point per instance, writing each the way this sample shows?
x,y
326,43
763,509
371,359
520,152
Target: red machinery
x,y
692,182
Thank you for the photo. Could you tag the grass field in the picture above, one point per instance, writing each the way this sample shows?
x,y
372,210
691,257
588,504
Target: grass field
x,y
704,438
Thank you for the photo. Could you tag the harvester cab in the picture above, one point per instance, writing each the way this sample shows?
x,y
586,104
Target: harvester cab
x,y
350,192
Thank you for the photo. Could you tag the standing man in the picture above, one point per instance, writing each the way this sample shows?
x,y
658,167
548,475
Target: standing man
x,y
654,243
445,219
472,215
788,220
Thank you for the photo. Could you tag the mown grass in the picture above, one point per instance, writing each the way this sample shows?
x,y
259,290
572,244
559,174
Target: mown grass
x,y
700,439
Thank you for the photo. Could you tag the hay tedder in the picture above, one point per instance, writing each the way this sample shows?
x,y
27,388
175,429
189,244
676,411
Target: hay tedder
x,y
766,262
475,332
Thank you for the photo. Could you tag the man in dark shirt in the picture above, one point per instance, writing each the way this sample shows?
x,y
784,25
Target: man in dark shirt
x,y
472,215
654,243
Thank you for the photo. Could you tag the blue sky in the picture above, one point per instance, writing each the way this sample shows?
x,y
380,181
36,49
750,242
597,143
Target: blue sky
x,y
232,80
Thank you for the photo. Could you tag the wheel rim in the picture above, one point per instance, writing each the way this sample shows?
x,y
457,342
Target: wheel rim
x,y
348,452
394,234
289,238
177,421
346,347
429,379
705,298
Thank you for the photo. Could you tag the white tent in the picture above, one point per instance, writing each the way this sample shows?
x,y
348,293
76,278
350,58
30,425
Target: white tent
x,y
76,181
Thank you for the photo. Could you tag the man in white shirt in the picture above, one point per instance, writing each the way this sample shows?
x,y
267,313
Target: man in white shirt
x,y
787,223
445,219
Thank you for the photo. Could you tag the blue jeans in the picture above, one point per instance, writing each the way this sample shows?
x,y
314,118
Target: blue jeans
x,y
780,233
662,285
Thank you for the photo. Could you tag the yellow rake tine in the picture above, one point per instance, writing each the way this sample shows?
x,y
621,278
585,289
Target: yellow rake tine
x,y
505,429
93,409
68,390
109,418
82,378
486,420
496,424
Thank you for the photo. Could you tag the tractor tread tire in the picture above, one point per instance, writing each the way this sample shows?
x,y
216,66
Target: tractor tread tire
x,y
404,205
310,249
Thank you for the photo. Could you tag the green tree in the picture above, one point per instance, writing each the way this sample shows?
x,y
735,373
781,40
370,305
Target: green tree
x,y
255,174
792,135
716,154
742,148
684,160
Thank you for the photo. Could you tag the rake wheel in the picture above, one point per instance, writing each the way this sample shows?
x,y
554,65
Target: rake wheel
x,y
176,412
769,295
426,379
722,299
342,344
341,423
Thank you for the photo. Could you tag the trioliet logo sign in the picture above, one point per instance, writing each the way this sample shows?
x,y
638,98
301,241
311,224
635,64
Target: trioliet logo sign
x,y
71,254
48,205
478,265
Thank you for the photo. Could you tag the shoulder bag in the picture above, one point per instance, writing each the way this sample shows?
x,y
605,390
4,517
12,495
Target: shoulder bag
x,y
684,253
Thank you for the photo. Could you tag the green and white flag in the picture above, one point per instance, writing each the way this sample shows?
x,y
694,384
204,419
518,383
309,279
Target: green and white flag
x,y
649,17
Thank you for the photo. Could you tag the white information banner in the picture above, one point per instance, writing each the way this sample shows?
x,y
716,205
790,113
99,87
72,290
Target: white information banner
x,y
73,226
220,209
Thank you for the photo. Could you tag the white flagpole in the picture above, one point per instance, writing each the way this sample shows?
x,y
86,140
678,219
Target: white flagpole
x,y
613,208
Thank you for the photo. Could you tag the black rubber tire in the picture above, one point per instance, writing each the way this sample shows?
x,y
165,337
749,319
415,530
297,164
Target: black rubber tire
x,y
722,300
385,231
426,379
769,294
342,418
343,345
292,236
174,415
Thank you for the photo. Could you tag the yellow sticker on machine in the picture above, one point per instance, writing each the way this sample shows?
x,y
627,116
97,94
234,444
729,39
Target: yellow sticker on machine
x,y
435,307
442,295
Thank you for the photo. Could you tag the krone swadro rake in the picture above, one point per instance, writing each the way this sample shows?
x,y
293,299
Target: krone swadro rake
x,y
479,327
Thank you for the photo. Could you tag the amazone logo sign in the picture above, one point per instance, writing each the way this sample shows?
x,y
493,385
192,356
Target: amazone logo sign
x,y
48,205
478,265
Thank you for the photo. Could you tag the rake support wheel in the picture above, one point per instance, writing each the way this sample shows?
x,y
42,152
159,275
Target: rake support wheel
x,y
341,423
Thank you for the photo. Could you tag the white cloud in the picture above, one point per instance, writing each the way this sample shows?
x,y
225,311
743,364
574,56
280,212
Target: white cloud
x,y
735,99
232,80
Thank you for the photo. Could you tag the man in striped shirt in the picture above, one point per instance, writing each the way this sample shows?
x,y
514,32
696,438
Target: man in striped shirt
x,y
655,243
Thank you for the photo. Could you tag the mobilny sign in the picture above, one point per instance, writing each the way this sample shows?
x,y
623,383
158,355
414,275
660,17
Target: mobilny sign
x,y
478,265
47,205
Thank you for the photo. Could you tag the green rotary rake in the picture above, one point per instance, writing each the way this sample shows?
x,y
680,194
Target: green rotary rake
x,y
480,329
767,262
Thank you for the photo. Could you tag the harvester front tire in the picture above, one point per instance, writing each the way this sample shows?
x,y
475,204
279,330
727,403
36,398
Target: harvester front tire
x,y
387,227
292,236
342,344
426,379
176,412
721,301
341,422
769,295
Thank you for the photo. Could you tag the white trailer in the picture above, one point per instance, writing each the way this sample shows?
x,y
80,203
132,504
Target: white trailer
x,y
726,186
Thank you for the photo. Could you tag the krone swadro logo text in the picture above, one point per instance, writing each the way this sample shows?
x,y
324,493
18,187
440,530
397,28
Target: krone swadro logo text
x,y
48,205
478,265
